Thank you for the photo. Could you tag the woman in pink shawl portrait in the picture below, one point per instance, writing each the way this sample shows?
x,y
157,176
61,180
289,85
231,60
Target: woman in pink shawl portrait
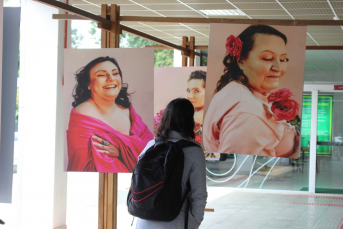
x,y
105,134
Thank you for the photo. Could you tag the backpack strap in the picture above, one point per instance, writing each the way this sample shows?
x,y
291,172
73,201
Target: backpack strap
x,y
188,204
159,141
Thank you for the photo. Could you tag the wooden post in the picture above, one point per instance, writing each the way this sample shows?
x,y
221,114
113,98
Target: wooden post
x,y
108,181
183,53
191,50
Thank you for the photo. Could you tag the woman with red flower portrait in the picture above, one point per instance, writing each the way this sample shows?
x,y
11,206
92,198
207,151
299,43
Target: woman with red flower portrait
x,y
244,116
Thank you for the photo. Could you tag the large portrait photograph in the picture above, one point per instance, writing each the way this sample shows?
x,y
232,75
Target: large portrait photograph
x,y
181,82
254,90
108,108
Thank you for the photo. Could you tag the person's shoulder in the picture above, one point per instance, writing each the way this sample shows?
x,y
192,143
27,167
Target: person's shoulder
x,y
233,92
127,110
132,113
239,94
228,99
88,108
194,148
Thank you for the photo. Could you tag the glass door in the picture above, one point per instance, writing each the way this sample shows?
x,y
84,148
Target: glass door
x,y
329,153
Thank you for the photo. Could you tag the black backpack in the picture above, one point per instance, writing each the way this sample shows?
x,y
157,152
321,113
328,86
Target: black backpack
x,y
155,192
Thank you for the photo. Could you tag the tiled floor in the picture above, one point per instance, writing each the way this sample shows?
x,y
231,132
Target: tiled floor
x,y
245,209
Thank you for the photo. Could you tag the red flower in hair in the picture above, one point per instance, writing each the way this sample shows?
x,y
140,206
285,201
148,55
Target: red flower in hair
x,y
233,46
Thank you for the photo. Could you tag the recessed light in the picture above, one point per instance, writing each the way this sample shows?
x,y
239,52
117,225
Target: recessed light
x,y
223,12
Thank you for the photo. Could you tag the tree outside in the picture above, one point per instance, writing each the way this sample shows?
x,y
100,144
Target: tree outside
x,y
76,38
163,57
89,33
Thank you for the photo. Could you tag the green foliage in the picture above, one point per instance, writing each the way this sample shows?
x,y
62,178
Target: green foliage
x,y
76,38
163,57
93,31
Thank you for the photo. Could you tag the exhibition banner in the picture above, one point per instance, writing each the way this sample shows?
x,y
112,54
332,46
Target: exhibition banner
x,y
108,108
180,82
254,90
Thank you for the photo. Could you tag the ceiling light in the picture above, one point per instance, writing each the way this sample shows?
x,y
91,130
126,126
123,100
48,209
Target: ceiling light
x,y
222,12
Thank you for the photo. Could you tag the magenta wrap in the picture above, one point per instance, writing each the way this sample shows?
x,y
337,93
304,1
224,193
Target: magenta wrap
x,y
84,156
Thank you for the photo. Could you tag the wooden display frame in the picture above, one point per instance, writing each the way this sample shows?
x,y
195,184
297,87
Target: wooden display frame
x,y
108,182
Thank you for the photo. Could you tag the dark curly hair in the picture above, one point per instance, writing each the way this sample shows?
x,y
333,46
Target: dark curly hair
x,y
177,116
232,72
81,92
200,75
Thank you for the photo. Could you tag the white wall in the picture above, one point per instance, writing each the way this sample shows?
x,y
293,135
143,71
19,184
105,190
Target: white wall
x,y
177,58
43,182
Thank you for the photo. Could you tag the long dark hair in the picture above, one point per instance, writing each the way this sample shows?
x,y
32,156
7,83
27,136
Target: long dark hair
x,y
177,116
81,92
232,72
200,75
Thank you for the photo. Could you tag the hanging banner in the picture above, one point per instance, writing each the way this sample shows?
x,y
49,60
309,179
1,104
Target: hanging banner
x,y
254,90
181,82
108,108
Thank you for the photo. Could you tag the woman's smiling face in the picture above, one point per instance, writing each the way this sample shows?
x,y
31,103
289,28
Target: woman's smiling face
x,y
266,63
105,80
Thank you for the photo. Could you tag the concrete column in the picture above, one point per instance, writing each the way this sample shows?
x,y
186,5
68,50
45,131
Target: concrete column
x,y
43,182
1,31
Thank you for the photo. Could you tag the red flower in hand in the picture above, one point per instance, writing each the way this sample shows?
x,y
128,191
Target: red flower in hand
x,y
233,46
285,110
279,95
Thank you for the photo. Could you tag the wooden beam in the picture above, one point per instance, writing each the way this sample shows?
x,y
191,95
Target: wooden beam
x,y
201,47
165,47
309,47
209,209
152,38
67,17
183,53
115,12
103,32
157,47
324,47
74,10
233,21
107,218
191,50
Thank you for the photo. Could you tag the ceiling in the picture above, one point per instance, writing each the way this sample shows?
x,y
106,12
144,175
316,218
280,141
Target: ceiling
x,y
252,9
324,66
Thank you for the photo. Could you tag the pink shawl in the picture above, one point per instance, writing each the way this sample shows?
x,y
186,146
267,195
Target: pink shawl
x,y
83,155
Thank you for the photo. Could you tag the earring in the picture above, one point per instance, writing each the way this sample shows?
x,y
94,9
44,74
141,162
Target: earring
x,y
89,88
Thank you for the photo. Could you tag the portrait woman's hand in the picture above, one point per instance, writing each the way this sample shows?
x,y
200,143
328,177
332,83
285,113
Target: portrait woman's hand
x,y
109,149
